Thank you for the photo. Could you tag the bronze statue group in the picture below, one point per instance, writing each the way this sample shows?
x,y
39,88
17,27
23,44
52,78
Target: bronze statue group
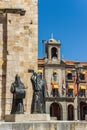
x,y
19,93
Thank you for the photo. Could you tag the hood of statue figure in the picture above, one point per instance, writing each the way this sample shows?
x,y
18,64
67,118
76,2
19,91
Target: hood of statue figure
x,y
17,79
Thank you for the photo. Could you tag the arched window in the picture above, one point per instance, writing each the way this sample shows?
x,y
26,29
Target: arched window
x,y
69,76
54,53
70,112
56,111
82,76
83,110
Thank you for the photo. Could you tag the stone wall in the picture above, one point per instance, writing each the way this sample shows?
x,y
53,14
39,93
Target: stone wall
x,y
44,125
18,49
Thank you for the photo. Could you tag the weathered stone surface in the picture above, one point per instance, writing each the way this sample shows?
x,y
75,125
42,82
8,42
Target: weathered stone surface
x,y
18,49
5,126
27,117
43,125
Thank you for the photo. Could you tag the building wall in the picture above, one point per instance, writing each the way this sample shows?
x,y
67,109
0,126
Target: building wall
x,y
72,97
18,50
64,99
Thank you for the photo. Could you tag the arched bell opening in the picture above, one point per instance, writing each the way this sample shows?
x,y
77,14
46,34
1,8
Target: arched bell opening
x,y
54,53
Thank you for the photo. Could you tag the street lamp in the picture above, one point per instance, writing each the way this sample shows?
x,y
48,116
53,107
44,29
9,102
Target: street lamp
x,y
76,73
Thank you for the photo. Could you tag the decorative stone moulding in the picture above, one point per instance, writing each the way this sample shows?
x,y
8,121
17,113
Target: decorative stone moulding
x,y
13,10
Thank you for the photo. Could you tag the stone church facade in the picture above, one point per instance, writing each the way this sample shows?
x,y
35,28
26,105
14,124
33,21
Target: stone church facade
x,y
18,49
67,90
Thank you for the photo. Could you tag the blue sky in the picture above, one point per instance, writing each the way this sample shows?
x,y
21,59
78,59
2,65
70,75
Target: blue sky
x,y
67,20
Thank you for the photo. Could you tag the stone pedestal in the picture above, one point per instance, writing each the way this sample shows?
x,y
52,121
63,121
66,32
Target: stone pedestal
x,y
27,117
44,125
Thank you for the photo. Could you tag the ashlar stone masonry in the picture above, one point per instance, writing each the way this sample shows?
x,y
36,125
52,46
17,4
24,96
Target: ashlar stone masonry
x,y
18,49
